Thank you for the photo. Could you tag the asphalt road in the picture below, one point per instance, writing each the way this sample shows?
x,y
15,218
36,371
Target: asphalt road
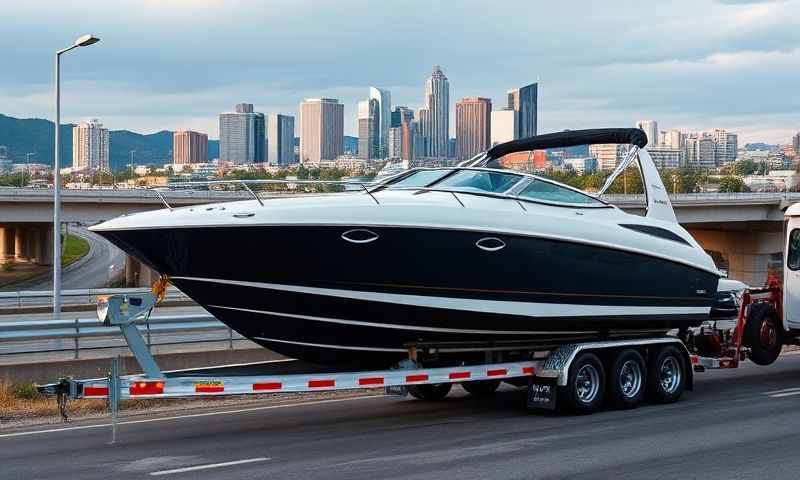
x,y
91,271
737,424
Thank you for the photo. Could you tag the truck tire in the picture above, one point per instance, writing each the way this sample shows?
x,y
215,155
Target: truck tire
x,y
627,380
585,388
667,373
481,388
430,392
763,333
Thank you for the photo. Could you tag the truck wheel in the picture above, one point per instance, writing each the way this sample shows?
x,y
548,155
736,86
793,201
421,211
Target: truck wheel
x,y
585,386
666,374
627,380
763,333
481,388
430,392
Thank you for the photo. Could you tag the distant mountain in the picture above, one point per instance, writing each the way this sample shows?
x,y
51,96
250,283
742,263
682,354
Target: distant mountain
x,y
350,145
23,136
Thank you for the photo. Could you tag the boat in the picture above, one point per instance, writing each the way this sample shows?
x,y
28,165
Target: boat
x,y
466,258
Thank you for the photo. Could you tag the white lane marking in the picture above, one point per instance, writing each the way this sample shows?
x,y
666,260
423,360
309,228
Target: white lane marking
x,y
782,390
209,465
787,394
528,309
195,415
396,326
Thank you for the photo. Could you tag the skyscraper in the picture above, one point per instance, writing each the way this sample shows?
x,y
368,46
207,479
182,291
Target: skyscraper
x,y
90,146
796,143
280,139
473,126
401,133
650,128
435,122
242,136
189,147
525,101
321,129
369,123
384,99
608,155
725,146
504,125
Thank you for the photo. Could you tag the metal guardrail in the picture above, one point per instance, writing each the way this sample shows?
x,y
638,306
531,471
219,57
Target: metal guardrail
x,y
19,337
83,296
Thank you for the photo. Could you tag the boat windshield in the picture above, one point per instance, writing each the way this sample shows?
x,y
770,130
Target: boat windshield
x,y
551,192
421,178
480,181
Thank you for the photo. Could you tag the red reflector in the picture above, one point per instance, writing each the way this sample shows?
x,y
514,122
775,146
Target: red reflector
x,y
371,381
527,370
458,375
268,386
95,391
321,383
147,388
497,373
695,359
417,378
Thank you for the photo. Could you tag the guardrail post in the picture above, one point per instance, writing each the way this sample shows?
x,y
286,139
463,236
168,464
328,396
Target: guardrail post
x,y
113,395
77,338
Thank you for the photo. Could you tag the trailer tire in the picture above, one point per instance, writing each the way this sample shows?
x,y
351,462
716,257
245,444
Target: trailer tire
x,y
481,388
627,380
763,333
585,388
430,392
667,374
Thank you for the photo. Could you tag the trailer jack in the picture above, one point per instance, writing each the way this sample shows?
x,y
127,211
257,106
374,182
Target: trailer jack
x,y
122,311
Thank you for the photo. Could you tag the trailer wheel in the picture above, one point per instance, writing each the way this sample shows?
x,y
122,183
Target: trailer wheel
x,y
481,388
627,380
667,375
585,386
430,392
763,333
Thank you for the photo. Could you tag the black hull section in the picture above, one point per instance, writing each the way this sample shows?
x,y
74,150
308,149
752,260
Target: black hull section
x,y
307,293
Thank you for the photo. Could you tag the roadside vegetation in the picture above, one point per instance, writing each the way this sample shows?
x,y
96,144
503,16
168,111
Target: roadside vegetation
x,y
74,249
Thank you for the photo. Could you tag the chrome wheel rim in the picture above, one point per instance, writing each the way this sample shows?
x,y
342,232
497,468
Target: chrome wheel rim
x,y
587,383
630,379
669,375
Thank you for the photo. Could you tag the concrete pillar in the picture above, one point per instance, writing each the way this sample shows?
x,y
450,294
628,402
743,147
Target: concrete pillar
x,y
138,274
46,245
2,244
35,244
750,254
8,244
20,247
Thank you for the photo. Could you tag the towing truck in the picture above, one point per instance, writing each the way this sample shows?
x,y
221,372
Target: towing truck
x,y
579,377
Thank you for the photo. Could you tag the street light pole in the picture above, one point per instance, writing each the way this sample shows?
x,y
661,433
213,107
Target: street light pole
x,y
83,41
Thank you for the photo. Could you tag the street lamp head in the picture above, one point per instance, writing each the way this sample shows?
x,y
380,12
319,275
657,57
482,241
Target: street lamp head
x,y
86,40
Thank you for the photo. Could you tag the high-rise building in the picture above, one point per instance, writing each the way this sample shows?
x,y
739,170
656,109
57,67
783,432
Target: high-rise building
x,y
473,126
674,139
435,123
525,101
90,146
725,145
401,114
608,155
796,143
280,139
665,157
395,142
242,135
384,99
701,151
321,129
189,147
650,128
504,125
5,163
369,124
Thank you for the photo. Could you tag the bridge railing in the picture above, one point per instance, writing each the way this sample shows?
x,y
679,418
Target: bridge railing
x,y
82,296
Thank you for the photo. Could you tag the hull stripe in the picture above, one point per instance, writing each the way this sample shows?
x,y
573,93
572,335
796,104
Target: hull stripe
x,y
395,326
527,309
336,347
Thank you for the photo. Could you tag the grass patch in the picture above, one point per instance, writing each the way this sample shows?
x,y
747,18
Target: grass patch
x,y
75,248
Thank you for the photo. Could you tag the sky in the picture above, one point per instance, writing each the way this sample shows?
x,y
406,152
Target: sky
x,y
167,65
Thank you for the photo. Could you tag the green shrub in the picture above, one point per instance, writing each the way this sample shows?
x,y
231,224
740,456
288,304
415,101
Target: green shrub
x,y
9,265
24,390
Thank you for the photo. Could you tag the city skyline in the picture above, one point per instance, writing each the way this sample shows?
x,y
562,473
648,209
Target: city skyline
x,y
683,69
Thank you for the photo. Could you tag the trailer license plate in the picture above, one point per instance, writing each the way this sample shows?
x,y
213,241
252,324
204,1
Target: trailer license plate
x,y
542,394
400,390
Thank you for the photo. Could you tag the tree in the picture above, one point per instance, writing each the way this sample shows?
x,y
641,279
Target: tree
x,y
732,184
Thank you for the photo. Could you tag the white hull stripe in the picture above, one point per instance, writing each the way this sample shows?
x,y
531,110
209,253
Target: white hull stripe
x,y
395,326
336,347
528,309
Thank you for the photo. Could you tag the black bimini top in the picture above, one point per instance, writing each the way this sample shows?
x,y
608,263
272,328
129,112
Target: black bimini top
x,y
571,138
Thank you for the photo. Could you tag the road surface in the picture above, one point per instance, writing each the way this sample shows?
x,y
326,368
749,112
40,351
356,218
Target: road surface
x,y
94,270
738,424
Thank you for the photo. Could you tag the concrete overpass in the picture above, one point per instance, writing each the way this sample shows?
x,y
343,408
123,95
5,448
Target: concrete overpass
x,y
742,229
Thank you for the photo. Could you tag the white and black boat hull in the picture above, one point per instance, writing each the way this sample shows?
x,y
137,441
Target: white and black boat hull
x,y
329,294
